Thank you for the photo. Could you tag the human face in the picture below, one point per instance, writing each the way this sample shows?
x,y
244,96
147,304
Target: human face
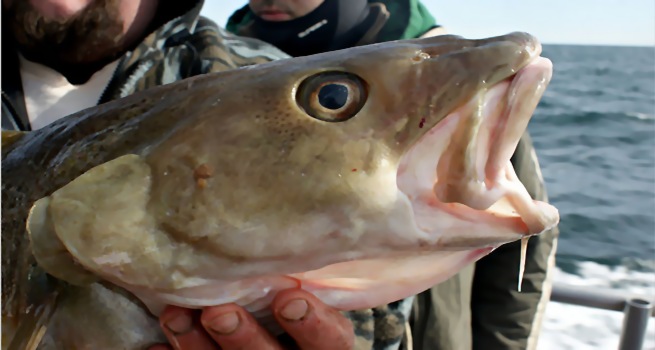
x,y
283,10
77,31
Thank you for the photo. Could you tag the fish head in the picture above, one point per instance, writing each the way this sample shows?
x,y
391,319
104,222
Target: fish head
x,y
344,172
430,122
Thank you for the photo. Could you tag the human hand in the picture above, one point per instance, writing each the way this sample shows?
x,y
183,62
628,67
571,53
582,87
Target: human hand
x,y
312,325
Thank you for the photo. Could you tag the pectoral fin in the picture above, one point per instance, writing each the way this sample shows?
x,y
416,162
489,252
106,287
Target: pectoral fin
x,y
48,250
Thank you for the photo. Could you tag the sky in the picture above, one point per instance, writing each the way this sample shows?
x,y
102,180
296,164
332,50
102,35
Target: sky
x,y
594,22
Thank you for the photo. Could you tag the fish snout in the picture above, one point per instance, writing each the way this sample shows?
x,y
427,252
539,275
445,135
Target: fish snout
x,y
520,45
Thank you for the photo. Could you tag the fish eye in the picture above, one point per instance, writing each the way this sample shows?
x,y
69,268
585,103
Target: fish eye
x,y
332,96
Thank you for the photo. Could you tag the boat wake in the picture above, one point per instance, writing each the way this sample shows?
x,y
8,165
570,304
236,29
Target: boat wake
x,y
581,328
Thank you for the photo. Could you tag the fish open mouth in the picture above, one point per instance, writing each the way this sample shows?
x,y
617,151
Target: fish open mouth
x,y
460,169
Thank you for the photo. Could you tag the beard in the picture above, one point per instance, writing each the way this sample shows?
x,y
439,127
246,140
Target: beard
x,y
92,36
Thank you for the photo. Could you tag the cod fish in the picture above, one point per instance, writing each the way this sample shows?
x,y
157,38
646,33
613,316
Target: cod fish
x,y
363,176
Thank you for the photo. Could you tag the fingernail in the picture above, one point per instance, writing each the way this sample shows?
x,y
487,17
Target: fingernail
x,y
294,310
180,324
225,324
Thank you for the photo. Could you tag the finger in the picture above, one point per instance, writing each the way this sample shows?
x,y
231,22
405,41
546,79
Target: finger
x,y
183,330
311,323
234,328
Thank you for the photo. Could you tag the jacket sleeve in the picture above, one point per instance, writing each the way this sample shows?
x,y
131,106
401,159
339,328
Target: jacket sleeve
x,y
503,317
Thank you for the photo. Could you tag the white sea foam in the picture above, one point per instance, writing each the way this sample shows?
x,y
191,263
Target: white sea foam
x,y
568,327
642,116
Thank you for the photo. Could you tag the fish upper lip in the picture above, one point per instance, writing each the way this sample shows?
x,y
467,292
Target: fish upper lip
x,y
526,42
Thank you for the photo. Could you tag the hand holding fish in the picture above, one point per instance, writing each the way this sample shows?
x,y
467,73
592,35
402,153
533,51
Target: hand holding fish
x,y
312,324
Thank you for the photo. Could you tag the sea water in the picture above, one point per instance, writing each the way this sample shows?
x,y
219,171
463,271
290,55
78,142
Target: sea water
x,y
594,132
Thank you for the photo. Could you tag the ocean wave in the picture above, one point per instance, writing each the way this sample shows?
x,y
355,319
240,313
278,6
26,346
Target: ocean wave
x,y
603,236
619,277
557,112
569,327
641,116
594,132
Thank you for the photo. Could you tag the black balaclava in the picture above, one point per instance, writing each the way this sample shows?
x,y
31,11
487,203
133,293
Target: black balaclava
x,y
334,25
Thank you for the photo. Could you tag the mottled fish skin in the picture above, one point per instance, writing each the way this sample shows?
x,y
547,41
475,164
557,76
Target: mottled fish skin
x,y
41,162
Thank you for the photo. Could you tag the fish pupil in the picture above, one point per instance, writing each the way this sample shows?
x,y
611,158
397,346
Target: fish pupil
x,y
333,96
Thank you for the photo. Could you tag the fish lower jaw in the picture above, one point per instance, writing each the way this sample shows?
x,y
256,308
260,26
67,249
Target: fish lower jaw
x,y
347,285
493,212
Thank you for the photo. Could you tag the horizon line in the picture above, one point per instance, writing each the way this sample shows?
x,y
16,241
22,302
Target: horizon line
x,y
652,46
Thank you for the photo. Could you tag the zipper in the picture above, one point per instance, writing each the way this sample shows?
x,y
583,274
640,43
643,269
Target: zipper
x,y
114,76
